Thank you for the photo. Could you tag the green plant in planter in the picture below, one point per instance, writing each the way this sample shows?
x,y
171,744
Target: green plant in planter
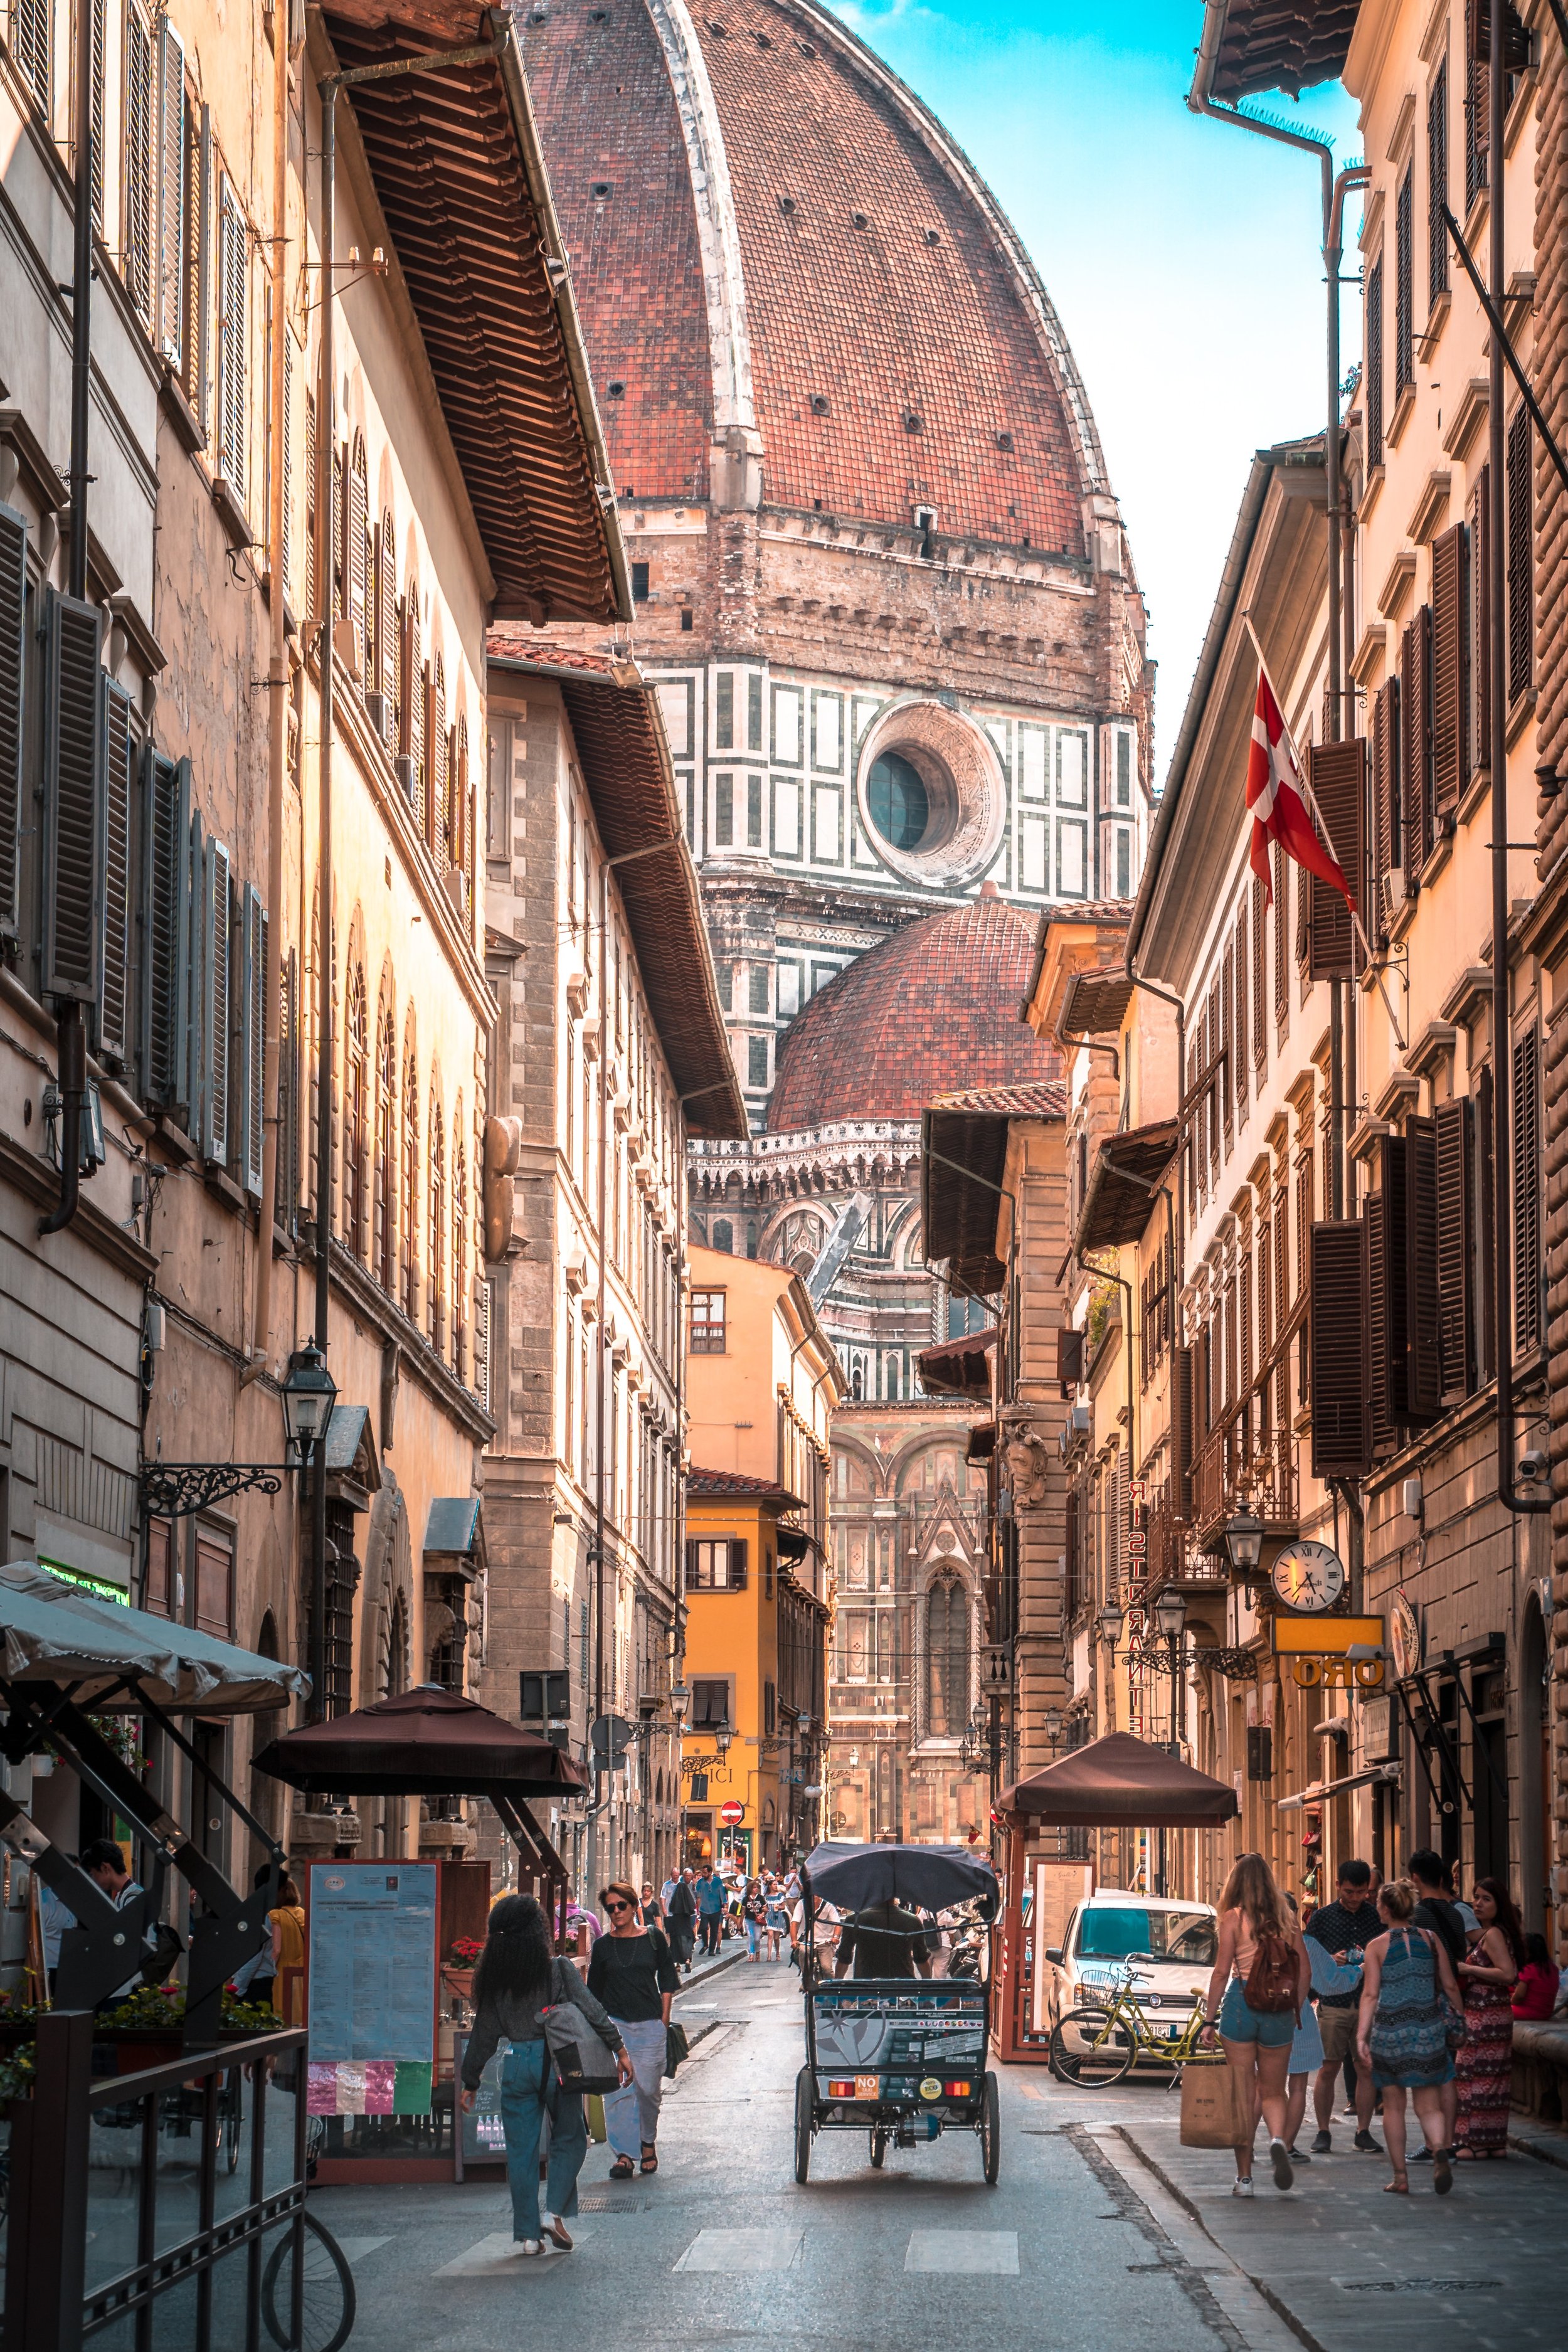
x,y
16,2073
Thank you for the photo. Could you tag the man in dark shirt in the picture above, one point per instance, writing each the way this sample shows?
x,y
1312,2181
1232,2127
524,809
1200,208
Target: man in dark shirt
x,y
884,1941
1348,1924
1439,1912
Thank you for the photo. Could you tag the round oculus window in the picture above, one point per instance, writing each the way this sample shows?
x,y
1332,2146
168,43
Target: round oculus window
x,y
897,800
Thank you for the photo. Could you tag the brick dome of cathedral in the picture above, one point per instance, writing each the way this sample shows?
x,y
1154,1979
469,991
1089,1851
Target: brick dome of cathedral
x,y
932,1008
776,248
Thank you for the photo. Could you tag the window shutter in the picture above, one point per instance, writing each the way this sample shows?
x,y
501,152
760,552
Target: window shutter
x,y
1260,988
1337,775
99,9
287,1094
217,1006
1281,934
359,557
1240,975
164,946
1385,807
1404,285
200,965
1341,1434
169,174
1455,1126
112,1029
482,1298
137,167
252,1033
1182,1435
13,672
1450,668
28,35
1216,1080
1373,336
74,801
195,325
233,254
1423,1310
387,626
1487,1211
1480,624
1520,557
1227,1039
288,367
1380,1354
1437,184
1415,742
1527,1185
1388,1288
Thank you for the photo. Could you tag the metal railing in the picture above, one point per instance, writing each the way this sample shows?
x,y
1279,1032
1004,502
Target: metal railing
x,y
160,2223
1234,1463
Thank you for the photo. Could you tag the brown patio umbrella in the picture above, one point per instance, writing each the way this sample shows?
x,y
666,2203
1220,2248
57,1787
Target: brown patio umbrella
x,y
1121,1782
426,1742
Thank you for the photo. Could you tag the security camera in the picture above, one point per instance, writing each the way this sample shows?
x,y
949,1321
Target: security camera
x,y
1534,1469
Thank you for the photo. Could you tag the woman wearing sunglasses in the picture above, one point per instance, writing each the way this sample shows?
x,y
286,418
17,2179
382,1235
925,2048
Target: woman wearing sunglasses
x,y
632,1972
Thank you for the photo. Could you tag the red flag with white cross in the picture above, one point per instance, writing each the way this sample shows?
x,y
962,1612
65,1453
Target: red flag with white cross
x,y
1275,797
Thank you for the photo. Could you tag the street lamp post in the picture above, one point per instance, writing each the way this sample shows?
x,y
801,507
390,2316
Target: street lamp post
x,y
309,1394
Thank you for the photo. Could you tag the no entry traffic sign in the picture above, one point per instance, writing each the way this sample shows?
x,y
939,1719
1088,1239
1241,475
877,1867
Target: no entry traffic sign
x,y
731,1811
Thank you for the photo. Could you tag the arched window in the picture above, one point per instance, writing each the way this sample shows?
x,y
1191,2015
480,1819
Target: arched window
x,y
385,1243
724,1234
459,1249
435,1247
356,1080
359,583
947,1658
409,1202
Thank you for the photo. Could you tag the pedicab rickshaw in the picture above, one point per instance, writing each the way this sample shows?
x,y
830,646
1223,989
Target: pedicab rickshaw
x,y
902,2058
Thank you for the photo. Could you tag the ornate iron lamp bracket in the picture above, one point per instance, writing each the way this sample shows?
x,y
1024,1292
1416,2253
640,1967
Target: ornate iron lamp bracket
x,y
174,1490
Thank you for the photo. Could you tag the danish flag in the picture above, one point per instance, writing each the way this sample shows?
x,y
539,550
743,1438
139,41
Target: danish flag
x,y
1274,794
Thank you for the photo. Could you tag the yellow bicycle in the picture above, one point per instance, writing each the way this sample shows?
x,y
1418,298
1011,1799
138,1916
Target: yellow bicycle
x,y
1101,2042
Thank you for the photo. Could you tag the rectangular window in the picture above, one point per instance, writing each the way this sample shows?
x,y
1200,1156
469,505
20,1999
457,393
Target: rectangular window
x,y
725,710
1123,863
1437,184
789,991
725,973
754,712
1404,285
759,987
753,812
707,1322
716,1564
756,1061
709,1704
1375,366
1124,772
1475,127
723,811
639,584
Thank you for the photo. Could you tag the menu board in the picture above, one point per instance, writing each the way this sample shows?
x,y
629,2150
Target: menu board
x,y
373,1961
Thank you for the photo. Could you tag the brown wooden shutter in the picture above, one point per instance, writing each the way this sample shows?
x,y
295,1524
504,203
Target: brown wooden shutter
x,y
1526,1187
1380,1349
1239,977
1390,1351
158,1584
1385,807
1455,1125
1341,1432
1486,1213
1480,629
1282,933
1069,1355
1521,556
1227,1039
1423,1320
737,1563
1216,1041
1259,989
215,1588
1448,669
1415,742
1337,774
1244,1292
1182,1432
13,669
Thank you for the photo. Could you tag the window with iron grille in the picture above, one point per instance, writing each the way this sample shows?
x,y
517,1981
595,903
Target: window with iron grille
x,y
1404,285
1437,184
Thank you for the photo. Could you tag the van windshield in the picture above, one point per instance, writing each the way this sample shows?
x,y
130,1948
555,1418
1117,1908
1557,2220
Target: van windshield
x,y
1110,1932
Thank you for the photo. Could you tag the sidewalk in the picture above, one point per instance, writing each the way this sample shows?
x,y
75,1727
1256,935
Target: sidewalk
x,y
1336,2258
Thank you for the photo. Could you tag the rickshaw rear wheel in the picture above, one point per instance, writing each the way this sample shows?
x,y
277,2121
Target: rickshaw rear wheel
x,y
990,2130
804,2094
879,2149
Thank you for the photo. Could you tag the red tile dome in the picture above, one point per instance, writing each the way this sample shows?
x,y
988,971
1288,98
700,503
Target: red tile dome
x,y
933,1008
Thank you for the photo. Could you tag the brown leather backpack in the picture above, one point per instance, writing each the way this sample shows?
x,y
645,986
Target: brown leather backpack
x,y
1272,1980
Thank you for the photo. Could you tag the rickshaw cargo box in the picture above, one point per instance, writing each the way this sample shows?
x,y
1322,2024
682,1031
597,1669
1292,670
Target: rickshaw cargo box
x,y
1212,2109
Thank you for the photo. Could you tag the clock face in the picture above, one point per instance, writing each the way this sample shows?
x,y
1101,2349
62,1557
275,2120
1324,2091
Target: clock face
x,y
1307,1576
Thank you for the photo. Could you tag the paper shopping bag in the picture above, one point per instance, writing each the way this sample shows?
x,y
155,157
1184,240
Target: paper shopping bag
x,y
1210,2108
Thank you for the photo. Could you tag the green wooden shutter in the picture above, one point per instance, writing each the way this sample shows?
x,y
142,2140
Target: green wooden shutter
x,y
111,1035
74,810
251,1030
196,1006
218,1006
165,942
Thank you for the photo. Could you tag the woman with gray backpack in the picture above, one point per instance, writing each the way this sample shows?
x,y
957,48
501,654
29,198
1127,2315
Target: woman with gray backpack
x,y
519,1989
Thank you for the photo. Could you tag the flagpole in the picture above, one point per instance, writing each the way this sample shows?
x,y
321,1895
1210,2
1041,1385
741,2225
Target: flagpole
x,y
1317,815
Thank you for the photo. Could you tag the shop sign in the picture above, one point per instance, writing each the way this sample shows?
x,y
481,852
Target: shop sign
x,y
1319,1650
1405,1637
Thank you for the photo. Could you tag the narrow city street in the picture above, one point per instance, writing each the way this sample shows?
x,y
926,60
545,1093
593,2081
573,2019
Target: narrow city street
x,y
1101,2233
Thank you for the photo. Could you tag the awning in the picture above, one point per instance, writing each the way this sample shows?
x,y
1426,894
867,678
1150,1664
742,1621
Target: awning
x,y
793,1543
958,1367
56,1633
936,1876
1289,45
456,160
1121,1782
1094,1004
1119,1203
1321,1791
453,1527
426,1742
982,1441
964,1153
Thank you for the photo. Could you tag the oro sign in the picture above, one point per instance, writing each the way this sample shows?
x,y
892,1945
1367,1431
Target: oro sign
x,y
731,1811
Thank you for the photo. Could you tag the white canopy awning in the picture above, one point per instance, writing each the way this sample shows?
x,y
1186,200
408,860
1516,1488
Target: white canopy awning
x,y
56,1633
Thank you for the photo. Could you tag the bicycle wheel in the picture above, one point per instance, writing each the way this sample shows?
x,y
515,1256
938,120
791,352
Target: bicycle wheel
x,y
1087,2048
328,2300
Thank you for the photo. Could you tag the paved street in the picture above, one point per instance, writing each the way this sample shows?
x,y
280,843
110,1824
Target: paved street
x,y
1101,2232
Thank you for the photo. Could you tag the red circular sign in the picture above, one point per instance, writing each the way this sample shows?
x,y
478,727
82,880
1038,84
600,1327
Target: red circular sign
x,y
731,1811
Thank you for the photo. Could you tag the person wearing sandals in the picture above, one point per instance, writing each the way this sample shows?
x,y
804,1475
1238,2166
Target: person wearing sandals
x,y
1306,2059
1488,1973
1401,2031
1262,1970
516,1980
632,1973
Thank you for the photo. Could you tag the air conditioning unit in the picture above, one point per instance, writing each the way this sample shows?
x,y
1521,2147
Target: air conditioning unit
x,y
577,994
378,710
405,767
1075,1431
456,884
1394,888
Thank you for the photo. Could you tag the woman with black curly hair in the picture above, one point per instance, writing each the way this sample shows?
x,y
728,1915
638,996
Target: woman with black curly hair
x,y
518,1977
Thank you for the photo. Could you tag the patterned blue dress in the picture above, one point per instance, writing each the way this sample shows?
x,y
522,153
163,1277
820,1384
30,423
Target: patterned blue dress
x,y
1409,2033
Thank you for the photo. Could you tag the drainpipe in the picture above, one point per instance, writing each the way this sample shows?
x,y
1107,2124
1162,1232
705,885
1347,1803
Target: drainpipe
x,y
1502,1231
71,1027
598,1802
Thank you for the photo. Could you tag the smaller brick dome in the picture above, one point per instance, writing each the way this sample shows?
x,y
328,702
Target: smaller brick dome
x,y
933,1008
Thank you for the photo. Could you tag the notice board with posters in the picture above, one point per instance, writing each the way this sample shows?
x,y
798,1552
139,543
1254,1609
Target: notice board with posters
x,y
373,1984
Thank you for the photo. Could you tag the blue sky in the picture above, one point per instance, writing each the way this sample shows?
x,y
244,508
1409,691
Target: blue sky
x,y
1182,256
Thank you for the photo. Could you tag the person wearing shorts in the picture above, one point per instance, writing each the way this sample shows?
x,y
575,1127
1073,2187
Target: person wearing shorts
x,y
1254,1923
